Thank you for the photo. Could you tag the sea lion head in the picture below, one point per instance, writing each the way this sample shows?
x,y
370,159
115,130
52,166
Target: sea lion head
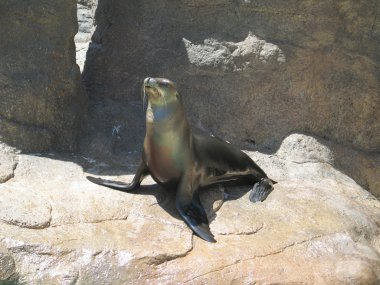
x,y
160,91
163,99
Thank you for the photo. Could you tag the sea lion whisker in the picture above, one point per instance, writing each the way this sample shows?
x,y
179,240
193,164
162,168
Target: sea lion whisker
x,y
144,97
166,105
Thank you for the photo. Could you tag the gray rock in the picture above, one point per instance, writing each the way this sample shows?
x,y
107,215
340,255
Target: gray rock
x,y
7,264
301,148
42,102
230,56
270,68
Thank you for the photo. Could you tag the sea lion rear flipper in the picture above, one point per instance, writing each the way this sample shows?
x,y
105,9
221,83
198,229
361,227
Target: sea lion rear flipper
x,y
141,172
261,190
192,211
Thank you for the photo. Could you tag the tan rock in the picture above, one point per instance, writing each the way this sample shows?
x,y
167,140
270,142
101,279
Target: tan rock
x,y
363,167
317,227
23,207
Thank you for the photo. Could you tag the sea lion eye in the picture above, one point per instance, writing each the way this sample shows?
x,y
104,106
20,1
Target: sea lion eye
x,y
165,84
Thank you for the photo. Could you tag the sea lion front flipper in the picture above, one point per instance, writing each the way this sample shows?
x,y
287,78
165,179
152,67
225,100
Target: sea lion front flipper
x,y
195,220
198,205
192,211
261,190
141,172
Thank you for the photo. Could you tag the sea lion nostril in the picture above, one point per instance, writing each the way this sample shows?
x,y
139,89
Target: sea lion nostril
x,y
146,81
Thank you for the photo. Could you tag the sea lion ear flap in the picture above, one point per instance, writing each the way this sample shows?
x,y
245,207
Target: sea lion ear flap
x,y
178,96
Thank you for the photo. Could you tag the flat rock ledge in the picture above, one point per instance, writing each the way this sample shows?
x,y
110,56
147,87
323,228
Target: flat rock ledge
x,y
318,226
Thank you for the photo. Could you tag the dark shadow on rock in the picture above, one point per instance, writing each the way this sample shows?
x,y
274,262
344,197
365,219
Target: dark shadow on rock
x,y
5,282
166,197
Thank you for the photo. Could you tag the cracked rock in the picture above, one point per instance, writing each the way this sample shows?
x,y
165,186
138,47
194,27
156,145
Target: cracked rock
x,y
24,208
316,227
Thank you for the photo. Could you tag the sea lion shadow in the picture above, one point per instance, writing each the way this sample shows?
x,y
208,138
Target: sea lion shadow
x,y
212,198
164,198
236,192
110,170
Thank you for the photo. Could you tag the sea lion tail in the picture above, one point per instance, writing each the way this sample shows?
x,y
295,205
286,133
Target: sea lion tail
x,y
111,184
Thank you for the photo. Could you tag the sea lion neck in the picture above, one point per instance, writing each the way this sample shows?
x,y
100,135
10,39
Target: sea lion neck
x,y
162,113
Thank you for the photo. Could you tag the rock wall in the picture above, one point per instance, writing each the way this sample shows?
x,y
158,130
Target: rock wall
x,y
249,71
42,101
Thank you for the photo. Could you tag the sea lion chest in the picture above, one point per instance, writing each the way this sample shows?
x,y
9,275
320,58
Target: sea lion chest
x,y
165,151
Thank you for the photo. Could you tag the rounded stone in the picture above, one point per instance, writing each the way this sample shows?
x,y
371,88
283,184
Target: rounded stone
x,y
7,264
24,208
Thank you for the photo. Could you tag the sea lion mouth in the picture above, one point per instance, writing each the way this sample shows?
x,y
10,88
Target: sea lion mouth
x,y
155,89
152,91
150,86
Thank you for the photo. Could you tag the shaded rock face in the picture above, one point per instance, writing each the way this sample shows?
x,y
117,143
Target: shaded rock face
x,y
42,101
316,227
270,68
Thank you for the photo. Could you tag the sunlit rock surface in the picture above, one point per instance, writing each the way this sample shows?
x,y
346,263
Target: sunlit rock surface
x,y
318,226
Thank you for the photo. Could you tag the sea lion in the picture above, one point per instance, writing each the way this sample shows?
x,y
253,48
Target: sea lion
x,y
185,160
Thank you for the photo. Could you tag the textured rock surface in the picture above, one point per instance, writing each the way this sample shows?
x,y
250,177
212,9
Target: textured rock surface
x,y
249,71
7,264
317,226
359,165
86,27
272,68
8,162
41,99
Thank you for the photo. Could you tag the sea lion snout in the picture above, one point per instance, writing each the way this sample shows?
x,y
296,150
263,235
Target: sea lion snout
x,y
150,87
149,81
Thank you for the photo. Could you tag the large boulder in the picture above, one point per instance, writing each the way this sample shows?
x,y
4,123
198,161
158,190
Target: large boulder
x,y
42,102
270,68
316,227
